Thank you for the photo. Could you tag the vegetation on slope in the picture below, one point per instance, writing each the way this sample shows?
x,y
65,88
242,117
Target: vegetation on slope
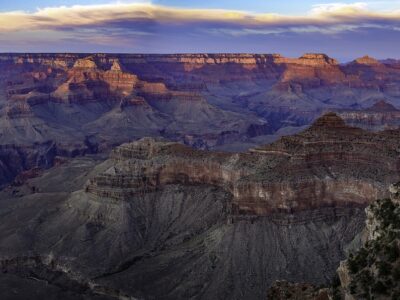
x,y
375,268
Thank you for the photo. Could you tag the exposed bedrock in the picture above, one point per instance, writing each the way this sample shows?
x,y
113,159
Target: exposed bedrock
x,y
174,243
229,102
382,115
160,220
329,164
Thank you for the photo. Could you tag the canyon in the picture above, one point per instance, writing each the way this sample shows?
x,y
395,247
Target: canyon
x,y
188,176
161,220
64,105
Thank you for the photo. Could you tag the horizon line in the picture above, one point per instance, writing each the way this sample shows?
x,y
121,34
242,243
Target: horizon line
x,y
184,53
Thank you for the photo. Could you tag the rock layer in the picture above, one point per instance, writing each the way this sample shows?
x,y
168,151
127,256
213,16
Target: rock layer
x,y
302,169
382,115
159,219
209,101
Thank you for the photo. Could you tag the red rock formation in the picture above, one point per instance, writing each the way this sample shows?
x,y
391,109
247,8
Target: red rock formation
x,y
206,100
86,63
328,164
366,60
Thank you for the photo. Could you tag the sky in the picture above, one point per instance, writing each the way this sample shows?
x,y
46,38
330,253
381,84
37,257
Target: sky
x,y
344,30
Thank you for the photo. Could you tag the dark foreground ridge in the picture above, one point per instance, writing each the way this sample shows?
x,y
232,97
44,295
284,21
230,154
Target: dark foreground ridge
x,y
161,220
370,272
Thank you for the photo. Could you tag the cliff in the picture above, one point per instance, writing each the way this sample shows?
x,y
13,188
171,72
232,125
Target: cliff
x,y
158,214
126,235
295,173
161,220
371,271
223,58
71,99
244,91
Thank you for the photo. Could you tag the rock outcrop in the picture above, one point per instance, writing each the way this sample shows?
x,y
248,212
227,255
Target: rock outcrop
x,y
380,116
73,99
169,221
366,60
232,96
302,169
127,237
85,63
160,219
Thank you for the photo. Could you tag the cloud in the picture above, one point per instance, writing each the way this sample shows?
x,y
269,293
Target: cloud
x,y
97,15
340,9
142,26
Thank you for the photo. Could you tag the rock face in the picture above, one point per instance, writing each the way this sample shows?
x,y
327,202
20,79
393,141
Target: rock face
x,y
159,219
302,169
166,210
85,63
382,115
96,102
209,101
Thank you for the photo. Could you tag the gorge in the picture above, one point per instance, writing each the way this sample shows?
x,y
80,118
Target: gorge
x,y
188,176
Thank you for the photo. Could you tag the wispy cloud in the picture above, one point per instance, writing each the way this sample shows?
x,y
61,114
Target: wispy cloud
x,y
97,15
142,25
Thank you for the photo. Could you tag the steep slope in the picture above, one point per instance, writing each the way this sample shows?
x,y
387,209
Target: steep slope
x,y
174,243
371,271
161,220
